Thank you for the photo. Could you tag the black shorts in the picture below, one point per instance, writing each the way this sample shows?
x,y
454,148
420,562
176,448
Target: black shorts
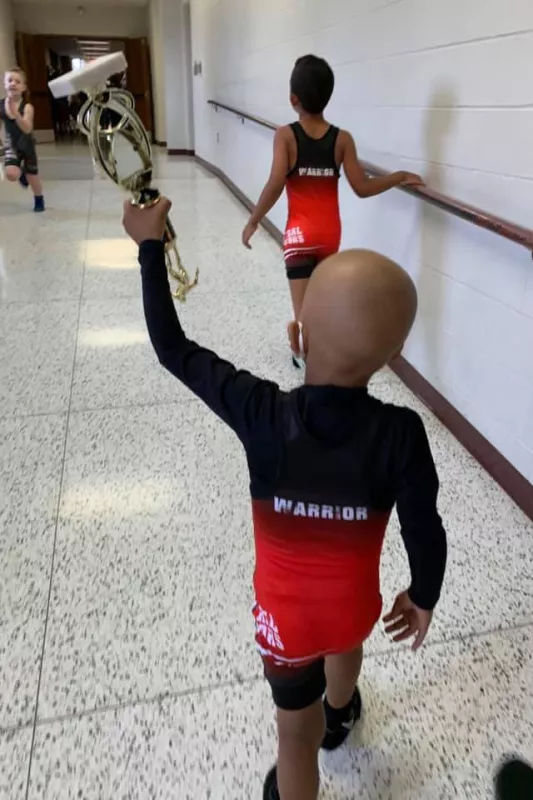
x,y
296,688
301,268
26,161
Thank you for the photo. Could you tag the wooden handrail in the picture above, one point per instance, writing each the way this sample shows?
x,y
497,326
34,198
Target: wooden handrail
x,y
490,222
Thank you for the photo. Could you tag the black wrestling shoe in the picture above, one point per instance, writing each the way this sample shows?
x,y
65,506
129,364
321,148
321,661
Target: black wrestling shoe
x,y
514,781
341,722
39,204
270,786
23,180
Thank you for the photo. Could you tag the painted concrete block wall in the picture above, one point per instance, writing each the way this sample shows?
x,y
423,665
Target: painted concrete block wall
x,y
169,31
155,38
439,88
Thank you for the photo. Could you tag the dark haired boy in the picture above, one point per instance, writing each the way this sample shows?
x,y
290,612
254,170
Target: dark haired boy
x,y
308,156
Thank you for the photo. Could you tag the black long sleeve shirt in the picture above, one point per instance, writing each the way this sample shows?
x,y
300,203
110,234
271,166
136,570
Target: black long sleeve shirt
x,y
327,465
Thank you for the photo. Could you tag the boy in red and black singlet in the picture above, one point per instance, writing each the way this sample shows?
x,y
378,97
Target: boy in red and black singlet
x,y
308,157
327,462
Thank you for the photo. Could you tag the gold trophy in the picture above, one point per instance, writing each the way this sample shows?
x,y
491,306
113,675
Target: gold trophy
x,y
120,145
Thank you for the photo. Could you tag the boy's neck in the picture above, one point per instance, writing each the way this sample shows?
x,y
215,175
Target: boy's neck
x,y
306,117
326,377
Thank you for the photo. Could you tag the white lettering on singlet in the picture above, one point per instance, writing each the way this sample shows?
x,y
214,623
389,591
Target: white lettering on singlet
x,y
300,508
316,172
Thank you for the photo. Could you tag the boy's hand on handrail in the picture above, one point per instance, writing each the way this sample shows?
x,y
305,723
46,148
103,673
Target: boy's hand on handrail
x,y
143,224
407,620
411,179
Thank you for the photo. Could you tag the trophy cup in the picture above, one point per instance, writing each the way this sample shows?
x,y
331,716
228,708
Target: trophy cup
x,y
120,145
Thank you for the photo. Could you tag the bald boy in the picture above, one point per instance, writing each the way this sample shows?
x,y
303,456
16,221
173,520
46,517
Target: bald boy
x,y
328,463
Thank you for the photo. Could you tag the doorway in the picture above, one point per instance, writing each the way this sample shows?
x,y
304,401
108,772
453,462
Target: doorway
x,y
46,57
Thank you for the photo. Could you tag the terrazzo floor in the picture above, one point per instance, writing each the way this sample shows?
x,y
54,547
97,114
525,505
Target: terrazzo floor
x,y
127,662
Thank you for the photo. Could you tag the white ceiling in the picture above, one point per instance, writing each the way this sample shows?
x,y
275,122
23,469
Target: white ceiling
x,y
78,3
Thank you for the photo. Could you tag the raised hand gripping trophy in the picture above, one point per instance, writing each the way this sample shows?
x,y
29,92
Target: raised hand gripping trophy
x,y
120,144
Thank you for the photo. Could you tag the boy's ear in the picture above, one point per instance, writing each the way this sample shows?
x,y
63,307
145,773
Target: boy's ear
x,y
294,101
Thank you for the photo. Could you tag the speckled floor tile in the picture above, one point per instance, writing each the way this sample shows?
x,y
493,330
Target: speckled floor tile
x,y
437,724
37,343
207,239
113,270
31,452
250,330
41,272
116,365
176,465
65,218
226,271
21,646
14,760
153,566
434,728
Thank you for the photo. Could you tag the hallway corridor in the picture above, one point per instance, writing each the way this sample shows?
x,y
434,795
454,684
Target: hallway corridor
x,y
127,658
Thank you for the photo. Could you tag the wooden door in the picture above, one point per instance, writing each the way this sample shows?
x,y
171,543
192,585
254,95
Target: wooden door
x,y
31,56
139,79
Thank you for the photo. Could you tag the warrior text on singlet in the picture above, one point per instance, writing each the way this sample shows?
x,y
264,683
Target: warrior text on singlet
x,y
320,511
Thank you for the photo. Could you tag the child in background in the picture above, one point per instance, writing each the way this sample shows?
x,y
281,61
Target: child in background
x,y
327,462
20,156
308,156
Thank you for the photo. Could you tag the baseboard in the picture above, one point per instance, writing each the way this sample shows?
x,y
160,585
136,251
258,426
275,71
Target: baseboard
x,y
172,151
497,466
247,203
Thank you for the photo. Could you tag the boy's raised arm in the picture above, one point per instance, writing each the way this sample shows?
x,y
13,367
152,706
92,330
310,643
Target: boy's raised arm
x,y
237,397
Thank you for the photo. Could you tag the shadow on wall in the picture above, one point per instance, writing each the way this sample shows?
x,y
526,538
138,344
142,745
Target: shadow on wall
x,y
434,229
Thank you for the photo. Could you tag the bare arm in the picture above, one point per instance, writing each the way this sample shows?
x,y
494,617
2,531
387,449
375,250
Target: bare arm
x,y
364,186
274,186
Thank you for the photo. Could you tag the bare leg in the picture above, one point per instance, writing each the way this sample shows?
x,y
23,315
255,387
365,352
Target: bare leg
x,y
12,174
300,736
298,288
342,674
36,185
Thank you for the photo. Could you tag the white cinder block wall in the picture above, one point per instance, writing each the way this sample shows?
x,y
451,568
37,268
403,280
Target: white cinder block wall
x,y
439,88
169,32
